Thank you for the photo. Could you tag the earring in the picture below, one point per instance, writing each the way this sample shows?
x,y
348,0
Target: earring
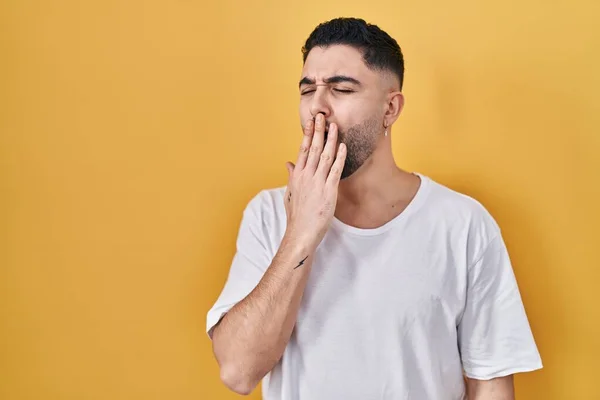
x,y
385,126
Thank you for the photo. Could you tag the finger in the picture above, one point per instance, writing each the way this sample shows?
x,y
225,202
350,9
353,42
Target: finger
x,y
333,179
288,193
305,146
290,168
316,146
328,154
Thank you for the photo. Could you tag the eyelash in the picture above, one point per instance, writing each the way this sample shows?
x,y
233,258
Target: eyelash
x,y
345,91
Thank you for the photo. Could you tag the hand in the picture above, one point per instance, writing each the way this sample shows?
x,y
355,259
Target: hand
x,y
312,190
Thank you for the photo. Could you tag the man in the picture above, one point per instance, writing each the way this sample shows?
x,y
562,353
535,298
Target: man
x,y
359,280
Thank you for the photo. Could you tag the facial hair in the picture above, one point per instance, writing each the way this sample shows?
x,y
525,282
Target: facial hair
x,y
360,141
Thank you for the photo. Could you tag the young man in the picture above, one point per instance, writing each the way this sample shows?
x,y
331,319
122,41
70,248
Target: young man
x,y
359,280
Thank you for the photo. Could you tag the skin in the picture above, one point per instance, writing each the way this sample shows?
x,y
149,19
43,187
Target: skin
x,y
373,189
345,169
493,389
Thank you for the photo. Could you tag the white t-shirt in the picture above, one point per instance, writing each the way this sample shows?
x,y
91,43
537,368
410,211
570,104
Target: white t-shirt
x,y
395,312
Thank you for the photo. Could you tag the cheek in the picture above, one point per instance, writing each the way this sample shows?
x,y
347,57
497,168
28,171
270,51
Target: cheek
x,y
352,107
347,118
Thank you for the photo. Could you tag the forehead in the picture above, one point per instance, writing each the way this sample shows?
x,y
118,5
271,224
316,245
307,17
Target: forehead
x,y
323,62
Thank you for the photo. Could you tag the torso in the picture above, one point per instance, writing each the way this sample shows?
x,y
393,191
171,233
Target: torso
x,y
380,309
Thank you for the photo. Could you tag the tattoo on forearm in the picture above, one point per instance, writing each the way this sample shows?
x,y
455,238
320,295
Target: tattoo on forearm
x,y
301,262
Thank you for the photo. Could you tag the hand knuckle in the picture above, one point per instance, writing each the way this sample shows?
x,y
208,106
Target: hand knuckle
x,y
325,157
314,148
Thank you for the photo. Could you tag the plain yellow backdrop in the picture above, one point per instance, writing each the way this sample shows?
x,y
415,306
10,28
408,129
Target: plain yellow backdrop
x,y
134,133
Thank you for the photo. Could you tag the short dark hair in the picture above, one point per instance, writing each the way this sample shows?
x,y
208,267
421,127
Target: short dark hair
x,y
379,50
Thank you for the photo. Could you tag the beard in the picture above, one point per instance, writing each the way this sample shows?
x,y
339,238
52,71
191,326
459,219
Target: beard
x,y
360,141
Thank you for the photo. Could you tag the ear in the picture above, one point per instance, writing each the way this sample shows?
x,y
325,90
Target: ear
x,y
394,106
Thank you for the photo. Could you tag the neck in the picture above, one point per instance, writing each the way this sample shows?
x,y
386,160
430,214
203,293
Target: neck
x,y
378,181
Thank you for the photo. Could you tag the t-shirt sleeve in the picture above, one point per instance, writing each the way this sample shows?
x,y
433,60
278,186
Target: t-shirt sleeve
x,y
249,263
494,335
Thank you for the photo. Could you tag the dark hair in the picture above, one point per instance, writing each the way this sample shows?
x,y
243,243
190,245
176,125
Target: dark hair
x,y
380,51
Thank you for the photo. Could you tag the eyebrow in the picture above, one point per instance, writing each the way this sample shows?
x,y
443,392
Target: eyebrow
x,y
334,79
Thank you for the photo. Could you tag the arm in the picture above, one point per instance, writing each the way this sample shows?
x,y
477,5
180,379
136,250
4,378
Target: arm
x,y
493,389
252,336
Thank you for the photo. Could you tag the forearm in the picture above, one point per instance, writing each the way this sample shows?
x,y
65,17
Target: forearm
x,y
493,389
252,336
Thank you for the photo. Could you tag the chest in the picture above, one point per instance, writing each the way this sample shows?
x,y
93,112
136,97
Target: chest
x,y
383,285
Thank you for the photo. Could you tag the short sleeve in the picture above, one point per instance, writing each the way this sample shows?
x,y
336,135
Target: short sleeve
x,y
249,264
494,335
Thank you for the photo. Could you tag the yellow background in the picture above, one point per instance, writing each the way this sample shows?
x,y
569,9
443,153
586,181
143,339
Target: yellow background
x,y
134,133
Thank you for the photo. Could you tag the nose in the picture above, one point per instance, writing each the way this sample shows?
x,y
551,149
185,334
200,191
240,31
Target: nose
x,y
320,103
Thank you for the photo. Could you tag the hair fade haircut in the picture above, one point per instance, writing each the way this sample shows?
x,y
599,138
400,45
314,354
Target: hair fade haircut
x,y
379,50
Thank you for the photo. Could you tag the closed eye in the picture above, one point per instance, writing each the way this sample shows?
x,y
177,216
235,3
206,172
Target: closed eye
x,y
335,90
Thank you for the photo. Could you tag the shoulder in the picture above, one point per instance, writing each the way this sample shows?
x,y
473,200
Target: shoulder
x,y
463,219
459,209
266,202
265,215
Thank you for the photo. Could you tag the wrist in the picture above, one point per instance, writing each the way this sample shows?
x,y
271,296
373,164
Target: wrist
x,y
293,259
294,249
297,244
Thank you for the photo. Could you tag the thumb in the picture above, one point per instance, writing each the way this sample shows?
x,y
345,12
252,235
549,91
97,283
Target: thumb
x,y
290,167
